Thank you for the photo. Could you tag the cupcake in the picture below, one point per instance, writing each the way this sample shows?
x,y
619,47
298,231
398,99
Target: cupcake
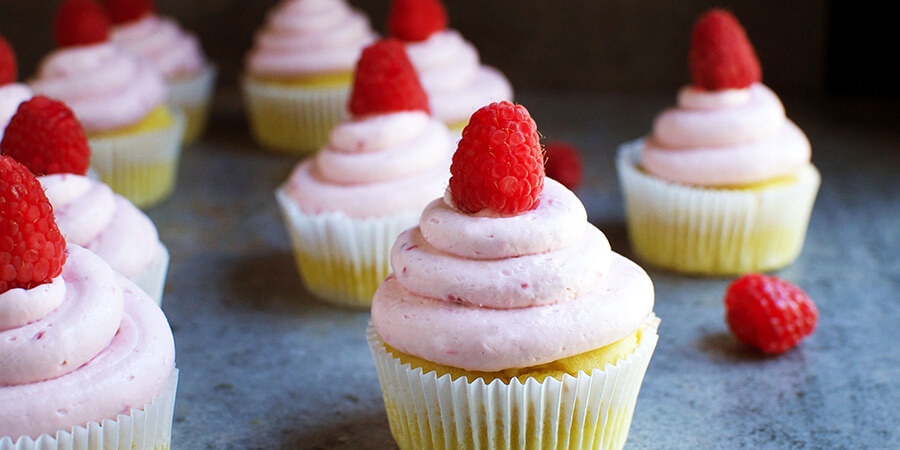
x,y
45,136
12,94
508,322
345,207
121,102
723,184
299,72
172,51
88,359
449,67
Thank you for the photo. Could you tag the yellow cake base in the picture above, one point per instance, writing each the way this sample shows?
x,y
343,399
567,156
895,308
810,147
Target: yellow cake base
x,y
158,118
340,283
326,80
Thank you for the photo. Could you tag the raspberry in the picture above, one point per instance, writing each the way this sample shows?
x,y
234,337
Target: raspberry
x,y
498,164
386,81
563,164
45,136
721,56
769,313
8,66
32,250
80,22
416,20
121,11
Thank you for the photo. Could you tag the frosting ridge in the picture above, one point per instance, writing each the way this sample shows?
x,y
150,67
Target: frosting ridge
x,y
161,41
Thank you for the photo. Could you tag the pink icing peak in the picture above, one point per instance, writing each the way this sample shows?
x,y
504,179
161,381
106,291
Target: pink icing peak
x,y
162,42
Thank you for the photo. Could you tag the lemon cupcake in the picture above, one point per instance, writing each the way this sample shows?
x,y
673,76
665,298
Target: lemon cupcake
x,y
723,184
299,72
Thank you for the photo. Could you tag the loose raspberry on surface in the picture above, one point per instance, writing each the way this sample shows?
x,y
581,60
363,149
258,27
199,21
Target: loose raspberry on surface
x,y
122,11
8,66
386,81
721,56
32,250
45,136
769,313
80,22
498,164
563,164
416,20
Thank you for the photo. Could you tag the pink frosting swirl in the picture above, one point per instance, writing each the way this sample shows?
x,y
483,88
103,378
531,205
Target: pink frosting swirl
x,y
546,286
105,86
106,348
161,41
11,96
376,165
304,37
725,137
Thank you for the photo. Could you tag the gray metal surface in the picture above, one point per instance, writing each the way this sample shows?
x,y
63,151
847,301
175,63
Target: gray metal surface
x,y
265,366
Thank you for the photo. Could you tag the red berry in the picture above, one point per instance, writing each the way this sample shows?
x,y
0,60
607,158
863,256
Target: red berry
x,y
563,164
8,66
121,11
498,164
80,22
769,313
386,81
32,250
45,136
721,56
416,20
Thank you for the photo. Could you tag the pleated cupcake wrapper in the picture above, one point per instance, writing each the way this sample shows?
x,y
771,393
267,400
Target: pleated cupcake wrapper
x,y
141,167
192,95
153,279
714,231
586,411
294,119
342,260
147,428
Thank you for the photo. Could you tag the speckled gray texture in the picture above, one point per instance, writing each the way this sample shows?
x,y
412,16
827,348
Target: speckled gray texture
x,y
264,366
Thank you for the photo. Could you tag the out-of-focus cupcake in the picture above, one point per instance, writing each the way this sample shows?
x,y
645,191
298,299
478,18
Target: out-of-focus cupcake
x,y
174,52
449,66
12,94
45,137
88,359
508,321
723,184
120,100
299,72
344,207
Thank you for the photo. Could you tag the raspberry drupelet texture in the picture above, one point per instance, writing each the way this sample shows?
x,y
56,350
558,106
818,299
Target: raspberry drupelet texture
x,y
498,164
80,22
45,136
8,66
769,313
386,81
563,164
32,250
416,20
122,11
721,56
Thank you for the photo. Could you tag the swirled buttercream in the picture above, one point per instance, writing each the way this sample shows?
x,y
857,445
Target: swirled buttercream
x,y
161,41
11,96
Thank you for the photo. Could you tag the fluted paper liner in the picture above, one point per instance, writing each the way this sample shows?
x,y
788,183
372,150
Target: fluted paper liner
x,y
591,410
192,95
141,429
714,231
153,279
341,259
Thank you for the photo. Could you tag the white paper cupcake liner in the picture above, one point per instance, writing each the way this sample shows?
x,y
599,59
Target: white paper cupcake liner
x,y
294,119
147,428
153,279
192,96
141,167
714,231
588,411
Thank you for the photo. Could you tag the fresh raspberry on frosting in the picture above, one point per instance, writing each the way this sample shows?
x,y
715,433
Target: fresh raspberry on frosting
x,y
721,56
80,22
122,11
563,164
8,66
769,313
416,20
45,136
498,164
386,81
32,250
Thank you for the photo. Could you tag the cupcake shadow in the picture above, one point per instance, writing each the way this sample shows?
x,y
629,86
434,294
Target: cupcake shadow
x,y
269,282
722,348
368,431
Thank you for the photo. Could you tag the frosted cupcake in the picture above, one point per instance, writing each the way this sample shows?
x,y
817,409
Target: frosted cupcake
x,y
345,207
508,322
723,184
172,51
299,72
45,136
449,67
88,359
12,94
121,102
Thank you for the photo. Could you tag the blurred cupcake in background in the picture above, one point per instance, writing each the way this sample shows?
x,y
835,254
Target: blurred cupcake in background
x,y
175,53
299,72
12,94
120,101
449,66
